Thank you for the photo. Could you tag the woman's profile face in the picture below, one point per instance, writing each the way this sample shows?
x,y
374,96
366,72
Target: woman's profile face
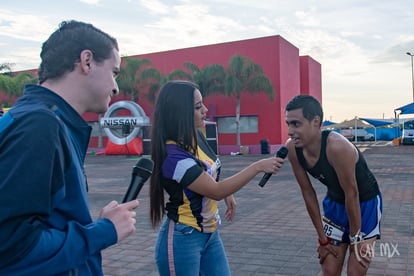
x,y
200,110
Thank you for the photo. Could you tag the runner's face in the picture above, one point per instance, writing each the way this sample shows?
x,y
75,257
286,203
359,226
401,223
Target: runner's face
x,y
301,130
200,110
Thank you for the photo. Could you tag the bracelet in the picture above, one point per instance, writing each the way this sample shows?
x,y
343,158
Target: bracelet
x,y
328,241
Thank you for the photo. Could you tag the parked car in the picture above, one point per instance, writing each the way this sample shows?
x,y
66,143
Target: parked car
x,y
361,134
408,133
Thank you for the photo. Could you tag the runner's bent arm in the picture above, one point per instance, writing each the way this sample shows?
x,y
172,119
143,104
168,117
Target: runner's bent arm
x,y
308,192
343,156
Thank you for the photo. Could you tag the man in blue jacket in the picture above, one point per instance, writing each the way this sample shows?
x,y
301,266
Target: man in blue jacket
x,y
45,223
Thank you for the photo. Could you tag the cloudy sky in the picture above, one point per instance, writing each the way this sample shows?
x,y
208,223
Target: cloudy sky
x,y
361,45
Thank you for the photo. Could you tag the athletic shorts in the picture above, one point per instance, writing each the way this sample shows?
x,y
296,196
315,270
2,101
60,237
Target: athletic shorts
x,y
371,211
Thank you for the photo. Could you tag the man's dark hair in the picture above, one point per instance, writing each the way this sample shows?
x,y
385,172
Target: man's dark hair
x,y
310,106
62,49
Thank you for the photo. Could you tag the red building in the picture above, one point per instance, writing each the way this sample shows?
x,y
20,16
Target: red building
x,y
289,73
261,118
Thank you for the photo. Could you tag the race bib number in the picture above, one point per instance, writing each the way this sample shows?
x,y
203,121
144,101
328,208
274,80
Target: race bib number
x,y
332,230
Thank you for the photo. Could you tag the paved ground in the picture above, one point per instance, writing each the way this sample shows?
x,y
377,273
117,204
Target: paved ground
x,y
272,234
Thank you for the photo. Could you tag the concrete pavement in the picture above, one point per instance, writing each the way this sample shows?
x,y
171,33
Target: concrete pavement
x,y
272,233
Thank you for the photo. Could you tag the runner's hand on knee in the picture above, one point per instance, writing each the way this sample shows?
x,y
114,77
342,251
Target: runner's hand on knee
x,y
325,250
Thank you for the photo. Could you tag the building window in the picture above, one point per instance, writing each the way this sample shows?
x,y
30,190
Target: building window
x,y
248,124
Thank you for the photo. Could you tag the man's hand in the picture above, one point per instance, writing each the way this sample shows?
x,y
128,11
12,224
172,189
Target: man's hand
x,y
122,216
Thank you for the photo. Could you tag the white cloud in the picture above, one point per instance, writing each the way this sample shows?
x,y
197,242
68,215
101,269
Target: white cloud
x,y
154,6
307,19
191,25
90,2
21,26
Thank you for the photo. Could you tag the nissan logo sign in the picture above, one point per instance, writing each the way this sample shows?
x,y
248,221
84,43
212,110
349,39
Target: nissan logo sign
x,y
121,129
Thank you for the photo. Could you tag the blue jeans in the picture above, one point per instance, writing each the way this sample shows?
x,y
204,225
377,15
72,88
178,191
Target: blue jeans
x,y
192,253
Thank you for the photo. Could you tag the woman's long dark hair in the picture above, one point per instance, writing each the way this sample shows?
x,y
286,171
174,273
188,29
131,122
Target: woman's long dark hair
x,y
173,120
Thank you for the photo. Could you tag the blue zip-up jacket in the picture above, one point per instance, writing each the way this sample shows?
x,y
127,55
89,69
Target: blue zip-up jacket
x,y
45,223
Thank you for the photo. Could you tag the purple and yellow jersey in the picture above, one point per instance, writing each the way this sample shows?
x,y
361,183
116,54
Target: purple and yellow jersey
x,y
179,170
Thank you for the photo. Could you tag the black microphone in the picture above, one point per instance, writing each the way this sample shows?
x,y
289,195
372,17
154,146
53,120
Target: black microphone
x,y
140,174
282,153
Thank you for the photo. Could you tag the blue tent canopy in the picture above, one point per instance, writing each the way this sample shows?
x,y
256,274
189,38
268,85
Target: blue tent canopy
x,y
327,123
377,123
406,109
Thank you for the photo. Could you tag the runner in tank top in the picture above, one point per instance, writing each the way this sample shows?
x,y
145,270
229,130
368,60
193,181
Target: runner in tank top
x,y
352,206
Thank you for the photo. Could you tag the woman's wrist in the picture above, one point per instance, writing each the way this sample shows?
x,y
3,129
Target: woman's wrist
x,y
258,167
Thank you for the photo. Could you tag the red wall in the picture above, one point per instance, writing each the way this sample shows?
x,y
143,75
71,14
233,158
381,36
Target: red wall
x,y
310,77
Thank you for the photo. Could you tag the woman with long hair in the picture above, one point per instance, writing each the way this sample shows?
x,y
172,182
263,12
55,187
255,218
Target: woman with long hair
x,y
188,242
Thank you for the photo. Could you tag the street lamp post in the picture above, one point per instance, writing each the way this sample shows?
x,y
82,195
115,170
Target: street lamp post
x,y
412,71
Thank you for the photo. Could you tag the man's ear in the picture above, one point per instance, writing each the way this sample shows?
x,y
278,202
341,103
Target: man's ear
x,y
86,57
317,121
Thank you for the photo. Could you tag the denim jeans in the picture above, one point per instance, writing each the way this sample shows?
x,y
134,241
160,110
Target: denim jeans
x,y
193,253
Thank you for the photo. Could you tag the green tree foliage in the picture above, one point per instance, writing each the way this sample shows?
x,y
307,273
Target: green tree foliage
x,y
153,80
7,84
210,78
21,80
5,68
132,76
213,77
12,85
243,75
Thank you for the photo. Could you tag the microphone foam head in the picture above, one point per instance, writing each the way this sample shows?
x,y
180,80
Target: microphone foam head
x,y
282,152
144,167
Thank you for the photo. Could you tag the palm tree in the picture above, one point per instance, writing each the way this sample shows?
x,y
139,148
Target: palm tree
x,y
210,78
13,85
21,80
7,84
131,77
213,79
6,81
244,75
179,74
5,68
153,79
